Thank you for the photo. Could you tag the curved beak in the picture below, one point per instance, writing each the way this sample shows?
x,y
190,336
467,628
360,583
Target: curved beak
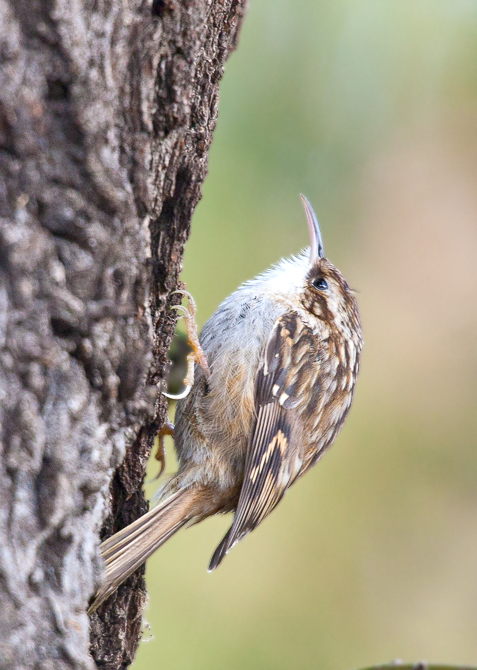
x,y
315,233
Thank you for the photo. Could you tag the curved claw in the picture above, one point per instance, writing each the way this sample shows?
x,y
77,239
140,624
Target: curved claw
x,y
178,396
182,309
192,307
183,292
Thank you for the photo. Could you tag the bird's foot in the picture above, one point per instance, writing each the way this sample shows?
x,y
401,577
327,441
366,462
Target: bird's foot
x,y
197,354
160,455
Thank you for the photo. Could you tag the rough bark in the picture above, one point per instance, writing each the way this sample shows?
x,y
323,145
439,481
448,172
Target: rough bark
x,y
107,110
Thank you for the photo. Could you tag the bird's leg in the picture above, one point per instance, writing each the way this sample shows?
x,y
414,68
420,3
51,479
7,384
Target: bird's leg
x,y
197,354
167,429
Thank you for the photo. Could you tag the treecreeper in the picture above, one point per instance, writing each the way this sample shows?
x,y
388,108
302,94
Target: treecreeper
x,y
269,384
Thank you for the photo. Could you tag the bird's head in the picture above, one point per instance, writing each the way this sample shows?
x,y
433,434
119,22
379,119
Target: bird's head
x,y
325,292
310,282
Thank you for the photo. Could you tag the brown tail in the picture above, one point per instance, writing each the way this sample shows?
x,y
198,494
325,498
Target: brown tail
x,y
128,549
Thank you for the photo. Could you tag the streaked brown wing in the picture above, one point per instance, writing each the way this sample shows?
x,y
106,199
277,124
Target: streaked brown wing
x,y
274,456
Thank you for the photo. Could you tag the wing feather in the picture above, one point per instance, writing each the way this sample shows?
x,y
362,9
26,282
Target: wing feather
x,y
274,455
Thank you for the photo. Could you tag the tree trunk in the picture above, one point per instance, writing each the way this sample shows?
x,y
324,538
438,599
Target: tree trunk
x,y
107,110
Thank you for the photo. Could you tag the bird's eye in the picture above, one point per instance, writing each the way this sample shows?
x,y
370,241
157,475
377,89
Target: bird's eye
x,y
320,283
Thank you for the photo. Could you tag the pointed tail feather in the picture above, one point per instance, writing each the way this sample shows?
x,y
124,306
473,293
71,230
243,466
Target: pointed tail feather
x,y
127,550
220,553
230,539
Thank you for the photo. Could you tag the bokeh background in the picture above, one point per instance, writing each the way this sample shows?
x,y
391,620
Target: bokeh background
x,y
369,108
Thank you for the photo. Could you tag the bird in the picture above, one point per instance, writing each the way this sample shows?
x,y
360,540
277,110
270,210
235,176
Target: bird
x,y
270,383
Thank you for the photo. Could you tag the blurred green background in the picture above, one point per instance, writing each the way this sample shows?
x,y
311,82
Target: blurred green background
x,y
369,107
